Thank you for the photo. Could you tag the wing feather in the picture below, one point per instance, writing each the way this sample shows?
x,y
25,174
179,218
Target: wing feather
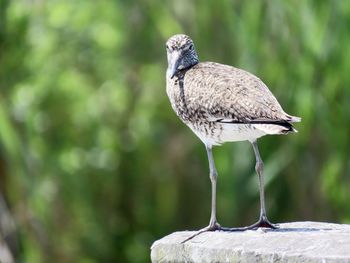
x,y
232,95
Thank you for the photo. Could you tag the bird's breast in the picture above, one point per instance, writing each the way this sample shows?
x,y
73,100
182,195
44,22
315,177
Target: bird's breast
x,y
179,99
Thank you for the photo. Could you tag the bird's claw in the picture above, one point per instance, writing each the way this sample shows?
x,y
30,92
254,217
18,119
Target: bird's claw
x,y
262,223
211,227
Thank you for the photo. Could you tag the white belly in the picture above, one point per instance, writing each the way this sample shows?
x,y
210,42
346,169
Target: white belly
x,y
229,133
240,132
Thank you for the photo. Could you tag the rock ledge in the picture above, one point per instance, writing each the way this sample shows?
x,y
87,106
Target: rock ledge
x,y
292,242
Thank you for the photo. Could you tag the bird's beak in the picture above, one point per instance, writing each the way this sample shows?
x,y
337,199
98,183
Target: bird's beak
x,y
174,63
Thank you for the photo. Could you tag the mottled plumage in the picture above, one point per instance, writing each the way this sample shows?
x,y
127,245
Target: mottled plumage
x,y
221,103
216,98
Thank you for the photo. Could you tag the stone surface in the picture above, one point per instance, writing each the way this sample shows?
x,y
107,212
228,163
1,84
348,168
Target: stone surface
x,y
292,242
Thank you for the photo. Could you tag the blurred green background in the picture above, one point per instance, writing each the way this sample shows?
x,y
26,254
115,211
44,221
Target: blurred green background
x,y
94,164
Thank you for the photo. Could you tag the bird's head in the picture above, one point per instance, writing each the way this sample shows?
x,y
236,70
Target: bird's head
x,y
181,54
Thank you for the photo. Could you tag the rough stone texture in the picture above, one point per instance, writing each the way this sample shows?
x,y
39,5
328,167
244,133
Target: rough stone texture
x,y
292,242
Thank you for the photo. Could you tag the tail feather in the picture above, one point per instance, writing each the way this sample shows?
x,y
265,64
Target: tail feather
x,y
269,126
291,118
279,127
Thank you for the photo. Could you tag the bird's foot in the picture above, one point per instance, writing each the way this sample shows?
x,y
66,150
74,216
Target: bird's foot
x,y
211,227
263,222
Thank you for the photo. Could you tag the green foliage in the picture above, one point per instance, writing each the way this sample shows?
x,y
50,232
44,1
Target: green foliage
x,y
95,165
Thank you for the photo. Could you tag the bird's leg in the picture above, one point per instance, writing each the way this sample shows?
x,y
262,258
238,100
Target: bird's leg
x,y
263,221
213,224
259,167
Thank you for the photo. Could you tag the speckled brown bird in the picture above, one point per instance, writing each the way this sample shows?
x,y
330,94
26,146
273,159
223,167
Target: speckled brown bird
x,y
221,103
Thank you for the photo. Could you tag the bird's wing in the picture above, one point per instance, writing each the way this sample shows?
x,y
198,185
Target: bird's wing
x,y
232,95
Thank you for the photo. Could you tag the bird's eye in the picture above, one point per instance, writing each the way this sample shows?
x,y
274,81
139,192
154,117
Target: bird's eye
x,y
167,47
191,47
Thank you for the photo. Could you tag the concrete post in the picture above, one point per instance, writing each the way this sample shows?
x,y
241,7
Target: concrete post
x,y
293,242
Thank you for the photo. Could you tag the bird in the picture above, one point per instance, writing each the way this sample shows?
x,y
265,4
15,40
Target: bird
x,y
221,103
